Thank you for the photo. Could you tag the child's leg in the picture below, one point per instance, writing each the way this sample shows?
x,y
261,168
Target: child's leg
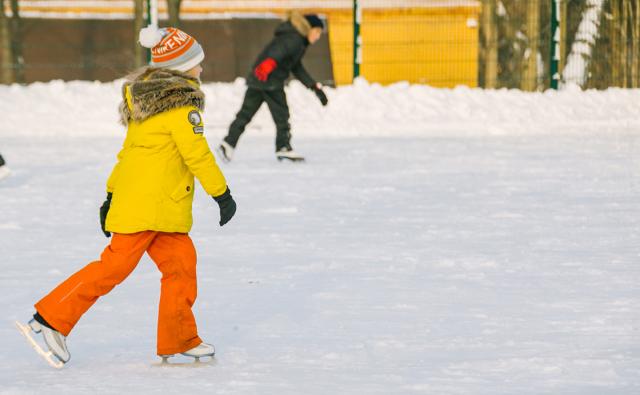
x,y
277,102
252,102
64,306
175,256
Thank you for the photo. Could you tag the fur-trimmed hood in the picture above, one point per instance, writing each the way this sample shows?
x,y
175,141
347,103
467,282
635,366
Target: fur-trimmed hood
x,y
150,91
299,22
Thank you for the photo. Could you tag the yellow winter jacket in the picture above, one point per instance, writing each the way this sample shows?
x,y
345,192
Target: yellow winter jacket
x,y
153,181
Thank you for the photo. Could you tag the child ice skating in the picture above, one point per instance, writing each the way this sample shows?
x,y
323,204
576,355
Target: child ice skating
x,y
149,201
281,57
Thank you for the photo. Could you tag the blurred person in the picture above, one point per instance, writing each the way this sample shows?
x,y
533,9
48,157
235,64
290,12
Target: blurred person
x,y
282,56
4,169
149,201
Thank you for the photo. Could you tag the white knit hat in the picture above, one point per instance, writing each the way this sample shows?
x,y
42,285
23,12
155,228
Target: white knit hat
x,y
171,48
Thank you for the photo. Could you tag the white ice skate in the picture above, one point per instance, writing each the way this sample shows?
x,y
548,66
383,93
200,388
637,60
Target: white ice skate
x,y
4,172
199,351
287,153
58,353
225,150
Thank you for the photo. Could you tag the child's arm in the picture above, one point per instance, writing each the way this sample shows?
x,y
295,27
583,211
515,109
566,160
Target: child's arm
x,y
111,181
111,184
276,52
187,129
303,75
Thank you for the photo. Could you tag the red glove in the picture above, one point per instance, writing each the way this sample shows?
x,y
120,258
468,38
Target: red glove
x,y
265,68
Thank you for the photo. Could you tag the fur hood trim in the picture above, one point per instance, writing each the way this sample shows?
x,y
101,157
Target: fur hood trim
x,y
150,91
299,22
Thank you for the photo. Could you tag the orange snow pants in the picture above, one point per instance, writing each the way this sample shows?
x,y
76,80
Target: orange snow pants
x,y
175,256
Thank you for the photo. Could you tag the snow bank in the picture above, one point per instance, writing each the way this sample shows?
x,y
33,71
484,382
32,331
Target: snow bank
x,y
383,266
90,109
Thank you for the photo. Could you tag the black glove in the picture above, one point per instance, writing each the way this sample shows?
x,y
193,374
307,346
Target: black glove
x,y
104,209
317,89
227,206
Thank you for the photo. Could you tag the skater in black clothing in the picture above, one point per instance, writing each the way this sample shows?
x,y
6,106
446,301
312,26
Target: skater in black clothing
x,y
281,57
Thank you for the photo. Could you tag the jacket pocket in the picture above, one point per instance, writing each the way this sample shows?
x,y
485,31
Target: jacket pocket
x,y
183,189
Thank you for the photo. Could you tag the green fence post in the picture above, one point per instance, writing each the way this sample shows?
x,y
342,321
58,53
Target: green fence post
x,y
357,40
554,59
149,23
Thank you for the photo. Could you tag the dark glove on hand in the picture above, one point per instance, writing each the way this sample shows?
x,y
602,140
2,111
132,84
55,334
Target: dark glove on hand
x,y
227,206
317,89
104,209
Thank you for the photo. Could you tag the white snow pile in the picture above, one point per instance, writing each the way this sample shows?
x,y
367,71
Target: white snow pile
x,y
90,109
436,241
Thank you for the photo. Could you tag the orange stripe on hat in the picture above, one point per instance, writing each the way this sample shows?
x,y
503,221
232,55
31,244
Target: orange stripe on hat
x,y
172,46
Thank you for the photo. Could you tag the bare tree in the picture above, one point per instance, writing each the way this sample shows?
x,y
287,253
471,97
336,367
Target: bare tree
x,y
174,12
624,52
564,22
139,52
576,71
530,81
511,43
6,75
16,42
615,42
635,43
490,44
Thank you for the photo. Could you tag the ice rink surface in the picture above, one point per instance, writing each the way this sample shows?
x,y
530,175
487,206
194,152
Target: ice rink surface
x,y
452,261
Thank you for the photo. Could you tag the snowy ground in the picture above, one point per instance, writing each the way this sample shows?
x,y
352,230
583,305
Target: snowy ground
x,y
436,242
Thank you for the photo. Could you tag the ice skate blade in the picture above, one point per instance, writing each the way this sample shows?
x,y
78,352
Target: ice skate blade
x,y
48,356
194,362
287,159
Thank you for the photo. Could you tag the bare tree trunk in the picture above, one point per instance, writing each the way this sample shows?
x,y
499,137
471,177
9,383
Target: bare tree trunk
x,y
139,52
635,42
576,72
174,12
638,37
624,53
512,42
615,43
564,22
490,48
530,81
6,76
16,42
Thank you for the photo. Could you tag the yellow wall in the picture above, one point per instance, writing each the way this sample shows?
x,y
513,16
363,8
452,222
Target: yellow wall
x,y
434,46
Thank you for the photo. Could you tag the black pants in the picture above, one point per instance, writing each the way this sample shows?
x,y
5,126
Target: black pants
x,y
1,161
253,99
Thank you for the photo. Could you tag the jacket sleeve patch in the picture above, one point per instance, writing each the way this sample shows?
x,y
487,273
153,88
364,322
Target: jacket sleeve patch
x,y
195,119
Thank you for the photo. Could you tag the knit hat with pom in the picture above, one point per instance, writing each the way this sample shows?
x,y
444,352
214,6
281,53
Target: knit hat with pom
x,y
171,48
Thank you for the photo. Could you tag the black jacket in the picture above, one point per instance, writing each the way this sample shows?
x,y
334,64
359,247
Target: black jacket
x,y
287,48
